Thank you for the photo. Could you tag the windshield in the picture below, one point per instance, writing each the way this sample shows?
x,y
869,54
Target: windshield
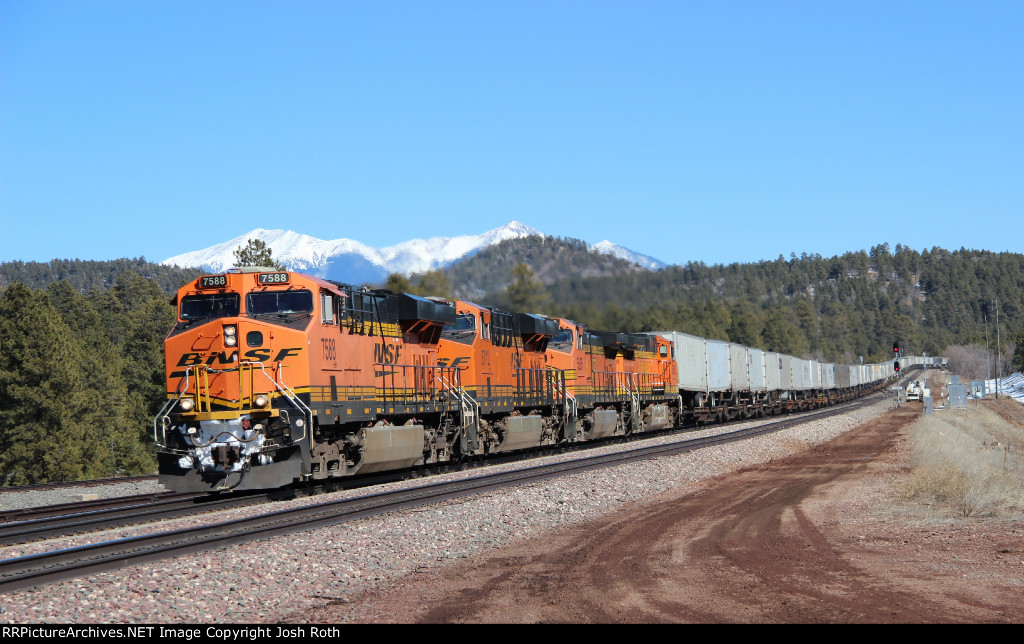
x,y
562,342
462,329
279,302
214,305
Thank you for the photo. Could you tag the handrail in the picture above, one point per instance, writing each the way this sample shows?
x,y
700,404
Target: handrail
x,y
571,406
203,397
466,402
163,414
540,382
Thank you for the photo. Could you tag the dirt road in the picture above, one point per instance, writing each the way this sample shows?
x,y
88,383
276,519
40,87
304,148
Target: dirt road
x,y
795,540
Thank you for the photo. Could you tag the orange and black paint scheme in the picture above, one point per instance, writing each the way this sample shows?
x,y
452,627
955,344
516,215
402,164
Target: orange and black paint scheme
x,y
633,376
275,378
516,399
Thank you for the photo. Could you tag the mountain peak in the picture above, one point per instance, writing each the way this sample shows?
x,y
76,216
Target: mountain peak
x,y
518,228
349,260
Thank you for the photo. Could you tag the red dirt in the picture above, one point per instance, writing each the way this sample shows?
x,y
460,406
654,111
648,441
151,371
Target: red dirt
x,y
809,538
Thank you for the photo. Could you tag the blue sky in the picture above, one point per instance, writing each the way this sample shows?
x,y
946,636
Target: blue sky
x,y
714,131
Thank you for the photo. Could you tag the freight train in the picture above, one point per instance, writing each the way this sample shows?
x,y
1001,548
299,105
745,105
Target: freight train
x,y
276,378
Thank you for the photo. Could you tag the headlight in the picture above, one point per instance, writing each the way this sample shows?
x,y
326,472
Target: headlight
x,y
260,401
186,404
230,335
230,340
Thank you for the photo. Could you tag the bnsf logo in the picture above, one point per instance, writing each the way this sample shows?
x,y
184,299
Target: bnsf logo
x,y
386,353
229,357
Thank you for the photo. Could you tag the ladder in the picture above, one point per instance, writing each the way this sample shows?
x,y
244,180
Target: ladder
x,y
468,405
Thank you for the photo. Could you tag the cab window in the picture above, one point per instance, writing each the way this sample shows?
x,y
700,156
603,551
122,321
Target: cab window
x,y
461,330
210,305
562,342
279,302
327,308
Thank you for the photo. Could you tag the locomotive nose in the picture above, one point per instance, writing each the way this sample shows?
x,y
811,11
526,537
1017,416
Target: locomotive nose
x,y
222,445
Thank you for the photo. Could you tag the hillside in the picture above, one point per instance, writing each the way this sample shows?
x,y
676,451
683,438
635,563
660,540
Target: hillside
x,y
88,275
838,308
488,272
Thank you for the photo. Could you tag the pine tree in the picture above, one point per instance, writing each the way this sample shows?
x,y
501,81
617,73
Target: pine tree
x,y
256,253
138,317
398,283
47,431
434,283
1017,362
525,294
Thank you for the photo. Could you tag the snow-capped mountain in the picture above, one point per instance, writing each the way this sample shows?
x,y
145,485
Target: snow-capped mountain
x,y
347,260
608,248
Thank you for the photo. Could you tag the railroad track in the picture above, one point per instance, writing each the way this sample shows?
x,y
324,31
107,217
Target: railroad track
x,y
77,507
68,484
46,522
49,567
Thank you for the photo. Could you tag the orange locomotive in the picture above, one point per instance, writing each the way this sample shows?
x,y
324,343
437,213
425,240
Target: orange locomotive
x,y
516,400
634,384
274,377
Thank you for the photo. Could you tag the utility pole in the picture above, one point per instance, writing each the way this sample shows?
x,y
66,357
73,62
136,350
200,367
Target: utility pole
x,y
988,352
999,350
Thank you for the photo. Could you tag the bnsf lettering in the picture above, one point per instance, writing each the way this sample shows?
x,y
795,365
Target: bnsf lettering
x,y
386,353
257,355
286,353
230,357
189,359
192,359
443,362
263,355
222,358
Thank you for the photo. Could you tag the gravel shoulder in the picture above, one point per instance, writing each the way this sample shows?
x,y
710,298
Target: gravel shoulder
x,y
408,566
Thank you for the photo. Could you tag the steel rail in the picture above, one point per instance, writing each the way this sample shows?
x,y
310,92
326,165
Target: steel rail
x,y
78,507
121,512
